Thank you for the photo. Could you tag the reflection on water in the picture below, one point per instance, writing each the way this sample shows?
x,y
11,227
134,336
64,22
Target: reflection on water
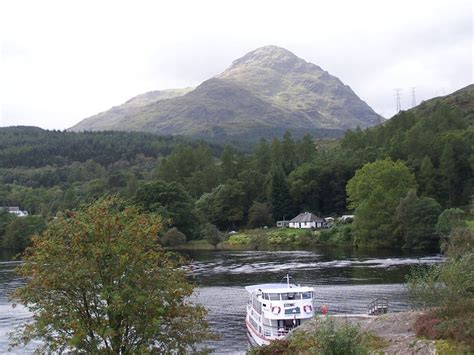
x,y
345,280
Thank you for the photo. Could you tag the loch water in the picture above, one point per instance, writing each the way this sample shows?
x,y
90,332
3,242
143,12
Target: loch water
x,y
345,280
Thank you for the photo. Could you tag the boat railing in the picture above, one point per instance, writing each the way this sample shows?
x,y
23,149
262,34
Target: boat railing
x,y
270,331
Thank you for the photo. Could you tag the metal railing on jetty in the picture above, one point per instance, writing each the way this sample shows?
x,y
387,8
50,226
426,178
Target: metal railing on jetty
x,y
377,306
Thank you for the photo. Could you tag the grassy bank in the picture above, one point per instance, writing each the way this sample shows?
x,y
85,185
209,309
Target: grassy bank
x,y
262,238
277,238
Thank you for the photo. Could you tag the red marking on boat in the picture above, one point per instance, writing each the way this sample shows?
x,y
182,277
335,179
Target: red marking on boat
x,y
255,331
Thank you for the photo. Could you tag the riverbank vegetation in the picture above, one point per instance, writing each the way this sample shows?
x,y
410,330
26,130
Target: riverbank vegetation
x,y
326,336
396,178
446,292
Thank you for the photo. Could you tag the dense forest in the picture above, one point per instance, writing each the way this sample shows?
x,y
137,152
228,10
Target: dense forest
x,y
191,183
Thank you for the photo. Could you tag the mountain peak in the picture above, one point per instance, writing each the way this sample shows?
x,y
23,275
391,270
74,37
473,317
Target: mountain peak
x,y
268,56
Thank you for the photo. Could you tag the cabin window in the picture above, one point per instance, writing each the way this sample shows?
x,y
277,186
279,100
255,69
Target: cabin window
x,y
291,296
307,295
274,296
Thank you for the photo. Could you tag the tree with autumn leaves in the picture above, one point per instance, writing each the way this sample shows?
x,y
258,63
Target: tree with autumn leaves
x,y
98,281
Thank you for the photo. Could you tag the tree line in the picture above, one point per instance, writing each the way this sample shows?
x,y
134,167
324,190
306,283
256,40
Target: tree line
x,y
425,159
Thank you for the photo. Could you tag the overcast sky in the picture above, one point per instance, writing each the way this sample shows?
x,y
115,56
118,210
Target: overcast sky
x,y
62,61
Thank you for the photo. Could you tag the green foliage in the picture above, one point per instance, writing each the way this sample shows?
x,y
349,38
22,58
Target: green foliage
x,y
239,240
47,172
435,140
172,237
172,202
34,147
338,234
374,192
5,219
417,218
224,206
98,281
193,167
459,242
282,203
443,285
19,231
260,214
211,234
427,178
449,219
328,336
446,292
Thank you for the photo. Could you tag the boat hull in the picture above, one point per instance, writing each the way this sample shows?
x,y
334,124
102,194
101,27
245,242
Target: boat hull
x,y
255,338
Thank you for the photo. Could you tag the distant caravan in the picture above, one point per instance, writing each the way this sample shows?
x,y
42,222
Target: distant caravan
x,y
274,309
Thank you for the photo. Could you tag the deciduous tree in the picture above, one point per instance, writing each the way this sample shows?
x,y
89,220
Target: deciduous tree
x,y
99,282
374,193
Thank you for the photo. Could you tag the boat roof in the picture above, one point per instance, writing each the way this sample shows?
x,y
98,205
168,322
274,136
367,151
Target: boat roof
x,y
277,288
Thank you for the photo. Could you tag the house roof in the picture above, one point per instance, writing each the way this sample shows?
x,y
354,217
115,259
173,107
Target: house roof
x,y
307,217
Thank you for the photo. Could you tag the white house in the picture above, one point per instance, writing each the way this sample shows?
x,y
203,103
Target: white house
x,y
307,220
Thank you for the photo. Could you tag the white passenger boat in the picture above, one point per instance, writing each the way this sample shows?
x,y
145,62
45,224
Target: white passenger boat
x,y
275,309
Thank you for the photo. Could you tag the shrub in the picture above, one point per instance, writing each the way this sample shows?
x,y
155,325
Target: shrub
x,y
425,326
459,242
442,285
327,337
334,338
173,237
212,234
239,239
449,219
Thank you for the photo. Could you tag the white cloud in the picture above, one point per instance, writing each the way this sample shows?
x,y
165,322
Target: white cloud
x,y
63,61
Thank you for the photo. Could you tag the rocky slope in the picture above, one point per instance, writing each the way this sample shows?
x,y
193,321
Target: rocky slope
x,y
263,93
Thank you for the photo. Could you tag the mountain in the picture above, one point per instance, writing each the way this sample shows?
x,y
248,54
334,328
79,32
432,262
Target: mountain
x,y
264,93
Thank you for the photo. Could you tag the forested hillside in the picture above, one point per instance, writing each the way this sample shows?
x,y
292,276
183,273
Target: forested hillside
x,y
192,183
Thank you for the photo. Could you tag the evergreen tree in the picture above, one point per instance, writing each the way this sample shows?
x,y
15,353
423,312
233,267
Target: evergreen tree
x,y
260,215
277,153
288,153
229,165
447,166
427,178
305,150
280,196
263,156
417,218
